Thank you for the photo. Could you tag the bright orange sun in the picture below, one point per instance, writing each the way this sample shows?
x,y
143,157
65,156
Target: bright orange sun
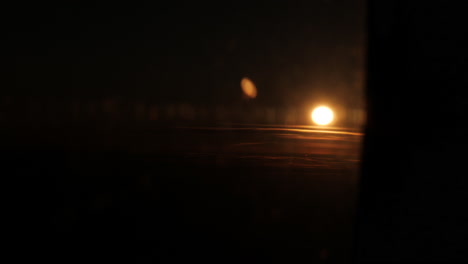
x,y
322,115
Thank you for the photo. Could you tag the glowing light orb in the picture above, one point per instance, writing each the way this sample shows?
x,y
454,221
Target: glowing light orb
x,y
248,87
322,115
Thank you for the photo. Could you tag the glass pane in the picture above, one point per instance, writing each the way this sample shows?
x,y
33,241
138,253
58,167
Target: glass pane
x,y
229,124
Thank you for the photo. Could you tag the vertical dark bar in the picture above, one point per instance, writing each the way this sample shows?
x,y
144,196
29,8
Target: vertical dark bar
x,y
380,184
411,199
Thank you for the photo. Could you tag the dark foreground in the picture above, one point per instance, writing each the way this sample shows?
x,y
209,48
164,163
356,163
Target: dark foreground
x,y
204,189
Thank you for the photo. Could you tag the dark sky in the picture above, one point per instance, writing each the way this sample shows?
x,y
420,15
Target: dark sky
x,y
294,51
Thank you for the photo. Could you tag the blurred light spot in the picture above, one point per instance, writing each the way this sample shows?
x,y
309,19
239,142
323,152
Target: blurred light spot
x,y
140,111
186,112
248,87
170,112
322,115
109,106
153,113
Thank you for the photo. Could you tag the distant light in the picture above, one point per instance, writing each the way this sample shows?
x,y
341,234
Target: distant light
x,y
322,115
248,87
